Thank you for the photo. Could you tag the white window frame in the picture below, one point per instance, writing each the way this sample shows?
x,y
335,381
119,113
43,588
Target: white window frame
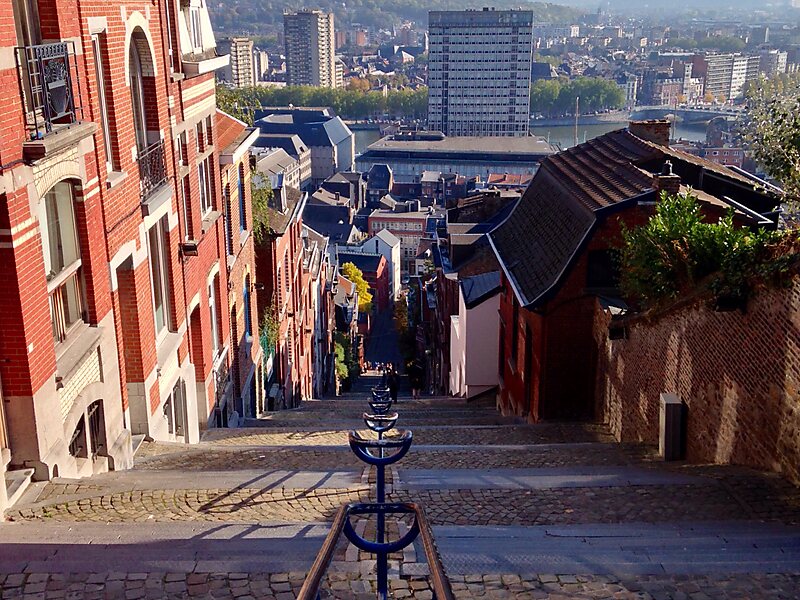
x,y
159,276
99,73
204,182
195,28
212,311
187,206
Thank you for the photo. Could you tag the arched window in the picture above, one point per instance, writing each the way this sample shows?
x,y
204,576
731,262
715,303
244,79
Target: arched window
x,y
62,259
136,79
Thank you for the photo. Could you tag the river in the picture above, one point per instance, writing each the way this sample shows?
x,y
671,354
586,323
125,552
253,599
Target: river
x,y
562,135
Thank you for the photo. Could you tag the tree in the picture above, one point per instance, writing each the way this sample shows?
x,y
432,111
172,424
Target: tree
x,y
772,133
679,251
354,274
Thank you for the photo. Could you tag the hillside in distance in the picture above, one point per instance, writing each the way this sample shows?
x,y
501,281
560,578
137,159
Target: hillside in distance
x,y
265,17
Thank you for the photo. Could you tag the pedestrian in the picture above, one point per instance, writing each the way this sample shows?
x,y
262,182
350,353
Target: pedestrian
x,y
394,382
415,377
384,379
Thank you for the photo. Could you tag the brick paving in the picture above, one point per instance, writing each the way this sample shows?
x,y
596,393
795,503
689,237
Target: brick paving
x,y
357,586
448,434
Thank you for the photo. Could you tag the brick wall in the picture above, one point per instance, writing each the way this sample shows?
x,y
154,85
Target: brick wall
x,y
739,375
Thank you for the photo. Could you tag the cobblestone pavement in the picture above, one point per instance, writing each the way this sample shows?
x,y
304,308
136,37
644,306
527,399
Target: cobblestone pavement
x,y
357,586
219,458
449,435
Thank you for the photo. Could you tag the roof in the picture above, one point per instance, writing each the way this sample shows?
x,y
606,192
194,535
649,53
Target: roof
x,y
290,142
379,177
573,189
228,129
479,288
278,221
233,137
275,162
435,144
388,237
508,179
331,221
318,130
366,262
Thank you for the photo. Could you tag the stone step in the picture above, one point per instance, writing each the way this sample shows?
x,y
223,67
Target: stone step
x,y
626,549
537,479
17,482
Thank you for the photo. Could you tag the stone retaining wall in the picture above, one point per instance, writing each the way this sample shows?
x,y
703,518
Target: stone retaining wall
x,y
739,375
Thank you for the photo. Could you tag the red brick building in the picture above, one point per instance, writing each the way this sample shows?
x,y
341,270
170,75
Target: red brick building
x,y
376,273
555,251
288,295
112,231
234,140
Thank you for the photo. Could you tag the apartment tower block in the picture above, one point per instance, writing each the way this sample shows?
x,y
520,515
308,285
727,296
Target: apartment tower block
x,y
310,49
480,72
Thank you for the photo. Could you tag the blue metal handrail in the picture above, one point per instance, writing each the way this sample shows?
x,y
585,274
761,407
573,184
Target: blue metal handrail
x,y
341,524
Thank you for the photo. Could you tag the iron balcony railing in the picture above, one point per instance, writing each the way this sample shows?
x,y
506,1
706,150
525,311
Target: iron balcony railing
x,y
50,86
152,169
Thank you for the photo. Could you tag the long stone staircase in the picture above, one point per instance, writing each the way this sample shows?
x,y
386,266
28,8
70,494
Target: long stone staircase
x,y
519,511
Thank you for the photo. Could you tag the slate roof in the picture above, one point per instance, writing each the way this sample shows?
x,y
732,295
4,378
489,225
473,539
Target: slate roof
x,y
289,142
388,237
478,288
331,221
574,188
378,177
279,220
324,131
366,263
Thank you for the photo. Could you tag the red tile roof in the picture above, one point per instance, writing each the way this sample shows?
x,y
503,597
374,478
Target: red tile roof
x,y
537,243
227,130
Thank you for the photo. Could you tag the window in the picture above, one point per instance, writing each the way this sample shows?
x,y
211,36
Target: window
x,y
159,272
62,262
183,148
204,177
209,134
514,333
137,97
26,18
248,329
97,50
228,225
212,313
195,28
602,269
242,203
199,137
187,208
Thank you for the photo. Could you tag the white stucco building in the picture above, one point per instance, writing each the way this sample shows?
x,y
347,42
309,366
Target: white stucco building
x,y
475,336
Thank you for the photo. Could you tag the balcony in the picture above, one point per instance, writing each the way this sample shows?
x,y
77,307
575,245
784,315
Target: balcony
x,y
206,62
153,176
52,98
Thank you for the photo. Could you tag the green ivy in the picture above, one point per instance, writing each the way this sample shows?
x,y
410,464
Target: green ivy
x,y
678,252
260,198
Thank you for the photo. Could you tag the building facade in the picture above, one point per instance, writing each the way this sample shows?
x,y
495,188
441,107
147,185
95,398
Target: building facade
x,y
287,297
480,72
112,233
310,48
241,71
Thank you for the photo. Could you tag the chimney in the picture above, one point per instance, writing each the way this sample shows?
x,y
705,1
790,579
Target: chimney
x,y
667,181
654,130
